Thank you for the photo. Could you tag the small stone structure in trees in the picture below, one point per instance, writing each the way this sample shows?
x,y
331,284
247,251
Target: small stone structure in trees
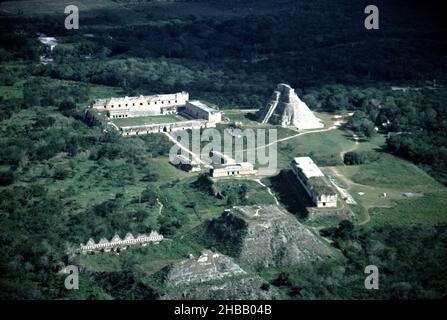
x,y
117,244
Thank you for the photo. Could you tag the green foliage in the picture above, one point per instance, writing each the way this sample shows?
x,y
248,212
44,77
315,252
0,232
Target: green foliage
x,y
356,158
32,225
406,258
204,183
45,93
171,220
225,234
63,182
67,107
7,177
361,124
150,195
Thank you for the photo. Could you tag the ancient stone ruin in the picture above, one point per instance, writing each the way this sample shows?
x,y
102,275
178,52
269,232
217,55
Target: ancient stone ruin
x,y
267,236
212,275
208,266
286,109
119,244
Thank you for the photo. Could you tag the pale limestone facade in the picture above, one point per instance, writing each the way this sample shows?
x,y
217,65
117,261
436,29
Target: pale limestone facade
x,y
118,243
238,169
125,107
185,164
285,108
164,127
314,182
199,110
198,115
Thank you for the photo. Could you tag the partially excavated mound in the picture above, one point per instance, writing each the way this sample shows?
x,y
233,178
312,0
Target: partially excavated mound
x,y
213,276
209,266
266,236
286,109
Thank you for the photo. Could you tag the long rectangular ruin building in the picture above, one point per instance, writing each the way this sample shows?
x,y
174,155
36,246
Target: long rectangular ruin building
x,y
314,182
197,114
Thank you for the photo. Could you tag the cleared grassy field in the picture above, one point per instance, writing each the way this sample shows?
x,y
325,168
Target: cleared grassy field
x,y
8,92
148,120
256,193
246,117
392,172
429,209
323,147
150,259
102,92
380,188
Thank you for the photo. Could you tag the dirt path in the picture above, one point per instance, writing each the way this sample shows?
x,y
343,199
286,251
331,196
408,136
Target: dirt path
x,y
161,206
198,160
268,190
349,184
194,156
354,147
291,137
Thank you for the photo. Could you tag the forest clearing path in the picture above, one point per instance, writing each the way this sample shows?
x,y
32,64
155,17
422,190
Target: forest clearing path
x,y
194,156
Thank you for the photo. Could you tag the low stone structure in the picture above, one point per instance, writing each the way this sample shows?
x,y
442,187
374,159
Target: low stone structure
x,y
266,236
185,164
124,107
220,158
212,276
199,114
199,110
208,266
314,182
163,127
116,243
227,170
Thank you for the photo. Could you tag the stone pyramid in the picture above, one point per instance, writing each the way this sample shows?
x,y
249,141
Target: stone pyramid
x,y
286,109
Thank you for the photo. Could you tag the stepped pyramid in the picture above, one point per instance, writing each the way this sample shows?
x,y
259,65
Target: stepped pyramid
x,y
286,109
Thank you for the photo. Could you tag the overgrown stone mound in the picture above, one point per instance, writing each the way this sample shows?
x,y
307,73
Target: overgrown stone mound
x,y
213,276
209,266
267,236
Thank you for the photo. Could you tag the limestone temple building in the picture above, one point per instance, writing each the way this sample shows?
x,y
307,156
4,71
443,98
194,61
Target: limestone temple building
x,y
314,182
236,169
185,163
285,108
117,244
199,110
139,106
196,114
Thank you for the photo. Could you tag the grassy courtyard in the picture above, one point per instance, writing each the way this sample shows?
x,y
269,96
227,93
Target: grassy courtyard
x,y
394,191
137,121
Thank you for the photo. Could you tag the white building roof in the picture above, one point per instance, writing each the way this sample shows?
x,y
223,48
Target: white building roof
x,y
141,97
235,167
202,106
183,160
246,165
308,167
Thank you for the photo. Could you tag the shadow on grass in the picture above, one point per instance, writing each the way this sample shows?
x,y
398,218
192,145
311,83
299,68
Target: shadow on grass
x,y
290,193
252,116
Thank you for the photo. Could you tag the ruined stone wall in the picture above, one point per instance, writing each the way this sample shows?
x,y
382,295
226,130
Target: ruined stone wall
x,y
142,105
163,127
